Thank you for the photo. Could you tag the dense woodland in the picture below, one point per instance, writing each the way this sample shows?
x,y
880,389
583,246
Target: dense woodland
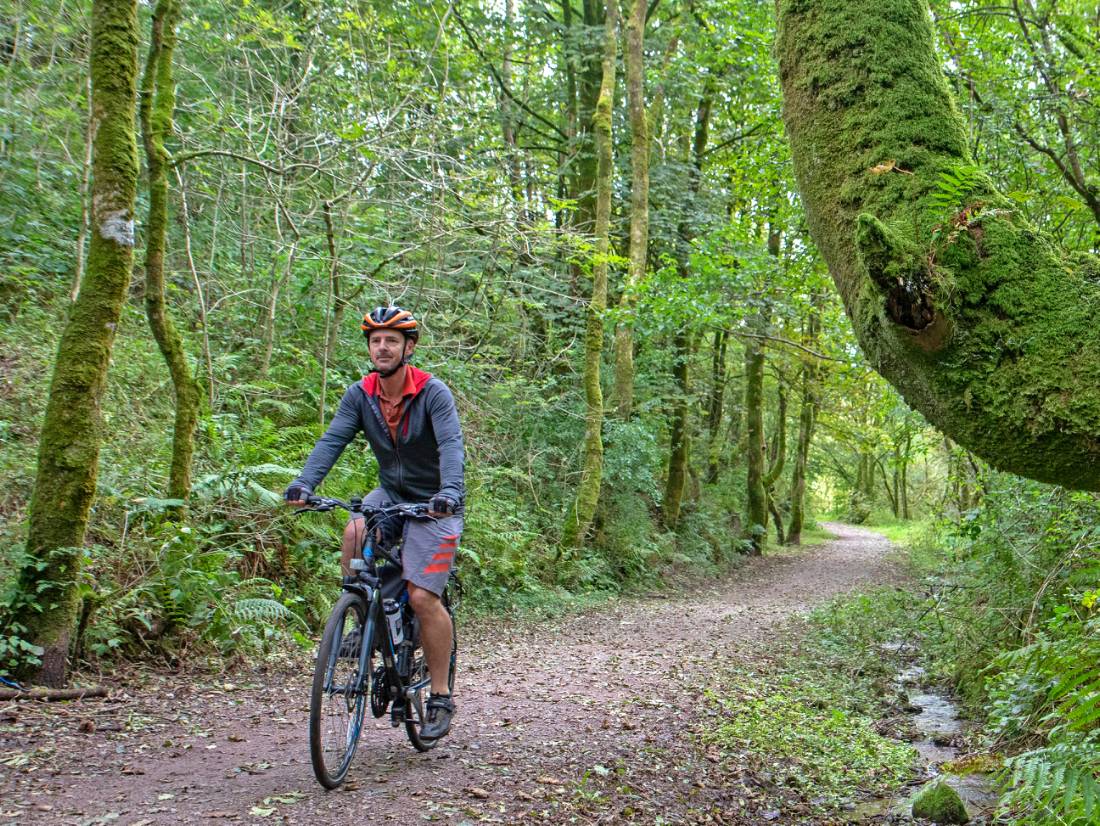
x,y
595,212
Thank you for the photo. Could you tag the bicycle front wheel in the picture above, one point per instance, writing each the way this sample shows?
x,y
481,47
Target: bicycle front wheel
x,y
340,690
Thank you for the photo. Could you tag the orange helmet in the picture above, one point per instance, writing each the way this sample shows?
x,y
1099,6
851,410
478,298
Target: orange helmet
x,y
391,318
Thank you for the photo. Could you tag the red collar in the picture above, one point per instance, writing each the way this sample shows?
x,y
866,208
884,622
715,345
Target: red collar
x,y
414,382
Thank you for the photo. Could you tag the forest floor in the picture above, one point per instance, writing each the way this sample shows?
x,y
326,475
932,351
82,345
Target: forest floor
x,y
590,718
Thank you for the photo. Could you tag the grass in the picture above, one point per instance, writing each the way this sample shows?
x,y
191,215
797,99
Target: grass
x,y
804,718
816,535
899,531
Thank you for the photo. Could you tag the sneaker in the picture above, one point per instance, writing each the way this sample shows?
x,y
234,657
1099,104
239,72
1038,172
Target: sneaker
x,y
441,709
349,646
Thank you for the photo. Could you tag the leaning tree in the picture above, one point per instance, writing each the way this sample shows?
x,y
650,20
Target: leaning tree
x,y
980,321
68,452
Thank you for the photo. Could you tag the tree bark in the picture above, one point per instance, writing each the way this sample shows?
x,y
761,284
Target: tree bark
x,y
680,443
807,417
716,403
68,453
777,460
978,319
85,206
903,490
158,100
757,516
200,293
579,517
634,58
679,438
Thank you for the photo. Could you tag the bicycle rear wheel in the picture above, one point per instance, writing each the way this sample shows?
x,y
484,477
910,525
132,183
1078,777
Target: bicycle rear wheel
x,y
416,706
338,698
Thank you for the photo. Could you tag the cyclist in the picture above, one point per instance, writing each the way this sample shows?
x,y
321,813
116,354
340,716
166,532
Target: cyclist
x,y
411,423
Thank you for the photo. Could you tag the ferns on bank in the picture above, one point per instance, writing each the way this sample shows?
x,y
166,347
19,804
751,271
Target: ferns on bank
x,y
1023,610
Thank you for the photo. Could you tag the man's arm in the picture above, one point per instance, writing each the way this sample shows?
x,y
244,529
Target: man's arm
x,y
448,437
341,430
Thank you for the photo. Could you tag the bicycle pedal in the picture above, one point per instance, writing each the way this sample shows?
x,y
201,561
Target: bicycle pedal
x,y
397,715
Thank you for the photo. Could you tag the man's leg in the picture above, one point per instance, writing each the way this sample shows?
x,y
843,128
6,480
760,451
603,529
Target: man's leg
x,y
353,541
436,634
353,532
428,558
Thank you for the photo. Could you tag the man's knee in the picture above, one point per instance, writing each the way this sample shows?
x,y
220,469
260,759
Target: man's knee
x,y
421,599
353,533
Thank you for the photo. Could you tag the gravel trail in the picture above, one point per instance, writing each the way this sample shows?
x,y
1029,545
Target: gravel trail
x,y
586,719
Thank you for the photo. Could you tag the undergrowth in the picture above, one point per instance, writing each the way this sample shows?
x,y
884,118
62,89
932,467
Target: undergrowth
x,y
804,721
1014,625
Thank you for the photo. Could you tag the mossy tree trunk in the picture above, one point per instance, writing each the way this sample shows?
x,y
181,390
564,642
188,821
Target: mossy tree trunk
x,y
756,494
903,492
978,319
680,443
777,458
679,448
579,517
634,58
716,404
807,418
68,452
158,101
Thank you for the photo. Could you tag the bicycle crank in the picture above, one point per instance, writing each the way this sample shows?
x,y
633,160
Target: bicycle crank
x,y
379,692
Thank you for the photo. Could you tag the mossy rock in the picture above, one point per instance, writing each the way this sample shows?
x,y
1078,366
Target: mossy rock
x,y
940,803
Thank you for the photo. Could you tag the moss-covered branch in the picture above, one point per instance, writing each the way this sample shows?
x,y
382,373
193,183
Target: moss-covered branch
x,y
979,320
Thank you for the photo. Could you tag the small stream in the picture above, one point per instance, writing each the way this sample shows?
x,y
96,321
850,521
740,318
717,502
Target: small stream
x,y
936,723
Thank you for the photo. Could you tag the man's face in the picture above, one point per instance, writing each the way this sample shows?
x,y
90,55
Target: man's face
x,y
388,347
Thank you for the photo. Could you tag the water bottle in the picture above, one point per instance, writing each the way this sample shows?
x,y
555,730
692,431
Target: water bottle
x,y
393,619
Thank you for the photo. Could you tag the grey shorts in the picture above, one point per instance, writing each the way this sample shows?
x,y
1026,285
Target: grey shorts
x,y
428,547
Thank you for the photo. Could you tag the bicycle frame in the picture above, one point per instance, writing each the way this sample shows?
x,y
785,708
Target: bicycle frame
x,y
367,586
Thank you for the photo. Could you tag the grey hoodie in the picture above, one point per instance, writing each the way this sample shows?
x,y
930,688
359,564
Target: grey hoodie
x,y
427,458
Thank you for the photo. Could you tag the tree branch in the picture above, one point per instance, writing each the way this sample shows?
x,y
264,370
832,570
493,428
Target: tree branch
x,y
500,81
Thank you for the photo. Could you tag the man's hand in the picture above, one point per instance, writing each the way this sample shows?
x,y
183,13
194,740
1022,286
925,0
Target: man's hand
x,y
441,506
296,495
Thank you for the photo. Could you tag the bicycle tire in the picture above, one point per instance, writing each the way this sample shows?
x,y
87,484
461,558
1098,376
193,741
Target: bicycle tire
x,y
336,709
414,708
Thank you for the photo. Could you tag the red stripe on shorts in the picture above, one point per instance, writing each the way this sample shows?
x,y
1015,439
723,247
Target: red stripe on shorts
x,y
443,555
438,568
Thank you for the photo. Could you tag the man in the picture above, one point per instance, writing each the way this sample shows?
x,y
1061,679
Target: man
x,y
410,421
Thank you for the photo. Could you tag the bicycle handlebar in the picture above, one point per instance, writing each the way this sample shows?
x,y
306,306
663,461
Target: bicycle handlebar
x,y
321,504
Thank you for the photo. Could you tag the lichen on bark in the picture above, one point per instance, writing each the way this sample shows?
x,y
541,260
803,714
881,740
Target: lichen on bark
x,y
978,319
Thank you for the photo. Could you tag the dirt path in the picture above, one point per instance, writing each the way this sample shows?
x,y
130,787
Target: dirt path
x,y
586,719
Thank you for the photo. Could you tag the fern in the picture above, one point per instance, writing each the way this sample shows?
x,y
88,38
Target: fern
x,y
953,187
1055,784
262,609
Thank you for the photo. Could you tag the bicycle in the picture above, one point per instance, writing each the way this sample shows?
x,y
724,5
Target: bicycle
x,y
369,651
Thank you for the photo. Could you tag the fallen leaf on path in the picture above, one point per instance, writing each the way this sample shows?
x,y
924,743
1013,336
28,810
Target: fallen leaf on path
x,y
480,794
